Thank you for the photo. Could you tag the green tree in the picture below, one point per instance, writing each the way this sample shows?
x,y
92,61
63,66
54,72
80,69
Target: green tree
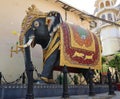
x,y
115,62
104,65
104,60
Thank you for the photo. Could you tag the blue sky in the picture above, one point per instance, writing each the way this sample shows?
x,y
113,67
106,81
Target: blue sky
x,y
84,5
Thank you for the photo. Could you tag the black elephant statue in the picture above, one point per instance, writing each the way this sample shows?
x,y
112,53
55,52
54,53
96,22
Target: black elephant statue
x,y
63,44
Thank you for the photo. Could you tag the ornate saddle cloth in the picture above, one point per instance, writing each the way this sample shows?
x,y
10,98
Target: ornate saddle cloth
x,y
79,48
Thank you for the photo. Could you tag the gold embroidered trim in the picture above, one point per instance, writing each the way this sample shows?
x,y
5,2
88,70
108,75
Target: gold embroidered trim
x,y
51,47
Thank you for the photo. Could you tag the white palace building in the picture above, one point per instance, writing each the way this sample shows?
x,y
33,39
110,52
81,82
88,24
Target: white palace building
x,y
109,33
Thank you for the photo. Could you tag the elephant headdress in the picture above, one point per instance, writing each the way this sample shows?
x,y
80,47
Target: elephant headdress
x,y
32,14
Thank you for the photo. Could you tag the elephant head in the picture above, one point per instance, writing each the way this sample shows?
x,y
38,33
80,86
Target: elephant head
x,y
38,27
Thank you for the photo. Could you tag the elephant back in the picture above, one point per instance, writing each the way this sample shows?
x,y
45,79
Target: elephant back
x,y
79,47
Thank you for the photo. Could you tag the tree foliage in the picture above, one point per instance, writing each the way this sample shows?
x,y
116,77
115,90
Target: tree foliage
x,y
115,62
104,60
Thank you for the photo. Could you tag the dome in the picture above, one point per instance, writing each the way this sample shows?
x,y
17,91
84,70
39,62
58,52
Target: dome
x,y
102,3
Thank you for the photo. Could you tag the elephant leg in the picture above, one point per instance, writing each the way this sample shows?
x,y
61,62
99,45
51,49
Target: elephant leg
x,y
47,73
50,77
85,73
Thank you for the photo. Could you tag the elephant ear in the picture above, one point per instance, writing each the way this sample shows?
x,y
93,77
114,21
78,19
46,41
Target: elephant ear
x,y
53,20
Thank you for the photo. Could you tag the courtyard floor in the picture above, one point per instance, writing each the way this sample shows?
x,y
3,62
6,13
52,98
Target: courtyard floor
x,y
97,96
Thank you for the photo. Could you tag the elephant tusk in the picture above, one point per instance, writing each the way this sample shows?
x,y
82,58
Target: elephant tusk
x,y
27,44
51,34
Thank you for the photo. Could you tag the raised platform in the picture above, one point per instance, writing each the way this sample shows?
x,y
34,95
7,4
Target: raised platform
x,y
15,91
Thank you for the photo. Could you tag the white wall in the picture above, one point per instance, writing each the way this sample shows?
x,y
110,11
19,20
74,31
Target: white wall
x,y
110,40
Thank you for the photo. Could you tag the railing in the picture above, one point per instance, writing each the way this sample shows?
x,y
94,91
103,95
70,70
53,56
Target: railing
x,y
93,78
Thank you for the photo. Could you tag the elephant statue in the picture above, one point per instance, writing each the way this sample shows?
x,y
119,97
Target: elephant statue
x,y
63,44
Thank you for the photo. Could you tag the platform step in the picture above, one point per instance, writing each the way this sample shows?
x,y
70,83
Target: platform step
x,y
15,91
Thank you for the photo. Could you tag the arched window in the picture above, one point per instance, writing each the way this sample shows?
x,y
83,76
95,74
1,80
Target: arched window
x,y
103,17
110,17
114,18
102,5
107,3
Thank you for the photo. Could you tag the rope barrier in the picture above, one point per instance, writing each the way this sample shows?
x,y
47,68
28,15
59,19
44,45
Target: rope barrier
x,y
96,78
12,82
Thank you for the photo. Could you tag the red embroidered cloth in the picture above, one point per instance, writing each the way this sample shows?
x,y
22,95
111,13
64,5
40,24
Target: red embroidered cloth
x,y
79,47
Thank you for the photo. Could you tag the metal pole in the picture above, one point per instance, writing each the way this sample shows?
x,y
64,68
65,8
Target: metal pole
x,y
23,78
65,84
116,76
91,87
0,78
2,88
100,78
61,79
2,93
111,89
29,72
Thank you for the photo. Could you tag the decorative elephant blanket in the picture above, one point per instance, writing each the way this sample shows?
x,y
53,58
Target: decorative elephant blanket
x,y
79,47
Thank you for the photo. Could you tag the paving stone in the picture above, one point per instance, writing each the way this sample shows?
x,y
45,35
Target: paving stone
x,y
97,96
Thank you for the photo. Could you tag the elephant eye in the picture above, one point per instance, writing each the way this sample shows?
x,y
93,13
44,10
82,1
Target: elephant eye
x,y
36,24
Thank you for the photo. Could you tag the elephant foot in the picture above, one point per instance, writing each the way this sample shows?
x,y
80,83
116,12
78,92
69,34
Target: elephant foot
x,y
39,81
51,81
46,80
